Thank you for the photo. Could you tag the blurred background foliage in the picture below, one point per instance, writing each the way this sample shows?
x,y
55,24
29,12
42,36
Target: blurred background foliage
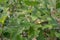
x,y
30,19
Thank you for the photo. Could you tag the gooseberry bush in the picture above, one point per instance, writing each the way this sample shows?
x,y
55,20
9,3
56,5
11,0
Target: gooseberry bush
x,y
29,19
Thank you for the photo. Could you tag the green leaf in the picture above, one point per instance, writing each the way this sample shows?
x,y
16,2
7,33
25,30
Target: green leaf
x,y
31,3
41,36
58,4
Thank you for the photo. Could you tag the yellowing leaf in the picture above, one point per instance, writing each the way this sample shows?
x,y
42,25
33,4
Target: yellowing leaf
x,y
3,19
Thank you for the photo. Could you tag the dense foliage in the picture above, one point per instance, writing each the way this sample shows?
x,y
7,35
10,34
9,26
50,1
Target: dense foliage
x,y
29,19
